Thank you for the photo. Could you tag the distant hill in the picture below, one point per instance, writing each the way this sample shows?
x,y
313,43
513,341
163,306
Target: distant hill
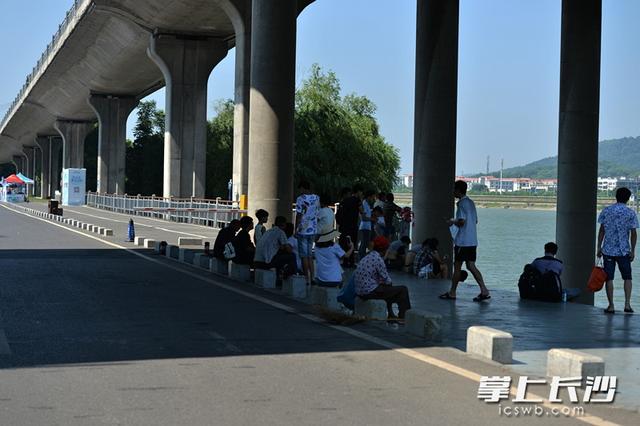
x,y
617,157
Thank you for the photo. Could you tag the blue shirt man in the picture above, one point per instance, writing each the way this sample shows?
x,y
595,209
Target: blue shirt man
x,y
617,244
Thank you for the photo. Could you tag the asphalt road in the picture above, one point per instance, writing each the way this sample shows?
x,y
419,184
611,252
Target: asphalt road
x,y
93,334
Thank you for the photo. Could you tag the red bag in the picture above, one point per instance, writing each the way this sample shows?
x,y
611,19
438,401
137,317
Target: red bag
x,y
598,278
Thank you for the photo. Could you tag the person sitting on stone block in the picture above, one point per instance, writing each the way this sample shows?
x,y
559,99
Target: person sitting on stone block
x,y
372,280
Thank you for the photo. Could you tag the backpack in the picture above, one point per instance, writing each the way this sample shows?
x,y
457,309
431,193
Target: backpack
x,y
550,287
527,284
229,251
534,285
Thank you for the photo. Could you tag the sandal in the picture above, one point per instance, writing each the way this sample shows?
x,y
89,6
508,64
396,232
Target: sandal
x,y
446,296
608,311
628,310
481,297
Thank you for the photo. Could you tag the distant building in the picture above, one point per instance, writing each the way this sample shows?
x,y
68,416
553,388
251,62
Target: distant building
x,y
607,183
407,180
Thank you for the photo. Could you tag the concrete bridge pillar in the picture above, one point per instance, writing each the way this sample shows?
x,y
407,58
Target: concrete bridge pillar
x,y
271,129
56,149
185,62
18,162
29,166
44,143
73,134
578,140
240,175
434,159
112,113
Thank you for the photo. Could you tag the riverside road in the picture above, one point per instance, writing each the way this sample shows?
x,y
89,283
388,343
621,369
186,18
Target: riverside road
x,y
93,333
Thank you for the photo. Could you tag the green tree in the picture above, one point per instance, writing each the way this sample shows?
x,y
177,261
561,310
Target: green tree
x,y
145,153
219,150
337,139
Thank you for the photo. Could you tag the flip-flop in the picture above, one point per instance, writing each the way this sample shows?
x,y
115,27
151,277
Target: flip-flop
x,y
446,296
607,311
628,310
481,297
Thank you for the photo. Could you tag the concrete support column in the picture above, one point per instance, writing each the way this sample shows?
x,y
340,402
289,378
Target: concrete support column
x,y
578,140
271,129
240,175
44,143
29,169
112,113
18,162
185,62
73,134
434,150
56,148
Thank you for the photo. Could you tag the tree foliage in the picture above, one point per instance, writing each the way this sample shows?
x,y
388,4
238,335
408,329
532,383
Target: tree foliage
x,y
220,150
145,153
338,143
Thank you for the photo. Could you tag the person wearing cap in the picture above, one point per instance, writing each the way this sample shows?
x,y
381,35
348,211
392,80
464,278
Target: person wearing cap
x,y
372,280
328,257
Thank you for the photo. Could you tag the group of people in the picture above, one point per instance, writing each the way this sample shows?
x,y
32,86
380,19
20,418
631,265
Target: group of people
x,y
369,221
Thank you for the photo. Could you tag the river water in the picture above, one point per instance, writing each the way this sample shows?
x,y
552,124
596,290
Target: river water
x,y
510,238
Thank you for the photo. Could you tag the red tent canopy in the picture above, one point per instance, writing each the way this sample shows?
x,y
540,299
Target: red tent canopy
x,y
14,179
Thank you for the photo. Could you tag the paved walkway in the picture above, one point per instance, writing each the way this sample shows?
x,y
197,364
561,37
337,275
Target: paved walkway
x,y
537,327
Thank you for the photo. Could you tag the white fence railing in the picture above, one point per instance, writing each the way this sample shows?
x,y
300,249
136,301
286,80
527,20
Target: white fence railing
x,y
214,213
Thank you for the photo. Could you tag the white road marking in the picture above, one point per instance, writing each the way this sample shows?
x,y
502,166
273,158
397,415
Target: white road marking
x,y
451,368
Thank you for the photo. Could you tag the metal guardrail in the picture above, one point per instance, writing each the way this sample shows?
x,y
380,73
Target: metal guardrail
x,y
213,213
72,13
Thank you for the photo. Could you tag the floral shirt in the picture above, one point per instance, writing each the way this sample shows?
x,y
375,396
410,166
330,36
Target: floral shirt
x,y
370,273
618,220
308,205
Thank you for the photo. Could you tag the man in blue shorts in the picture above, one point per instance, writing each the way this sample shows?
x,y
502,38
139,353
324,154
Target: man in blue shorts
x,y
618,225
466,243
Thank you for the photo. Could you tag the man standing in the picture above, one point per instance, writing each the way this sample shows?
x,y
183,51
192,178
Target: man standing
x,y
618,225
466,243
307,208
347,218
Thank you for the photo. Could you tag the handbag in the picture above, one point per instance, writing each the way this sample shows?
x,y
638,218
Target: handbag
x,y
229,251
598,277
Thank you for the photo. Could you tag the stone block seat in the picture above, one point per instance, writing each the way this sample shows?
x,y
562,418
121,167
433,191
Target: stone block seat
x,y
373,309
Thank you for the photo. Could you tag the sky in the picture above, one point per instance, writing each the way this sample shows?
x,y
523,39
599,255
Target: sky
x,y
508,79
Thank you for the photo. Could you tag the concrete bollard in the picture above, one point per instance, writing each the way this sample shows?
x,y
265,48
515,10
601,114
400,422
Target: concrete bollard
x,y
201,260
490,343
149,243
265,278
567,362
160,247
98,230
325,296
173,251
295,286
139,241
189,241
371,309
239,272
219,266
186,255
424,324
107,232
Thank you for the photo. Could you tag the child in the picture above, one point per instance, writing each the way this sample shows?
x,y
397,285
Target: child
x,y
260,229
293,242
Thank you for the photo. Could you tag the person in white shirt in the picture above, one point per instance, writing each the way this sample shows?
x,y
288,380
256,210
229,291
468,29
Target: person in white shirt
x,y
366,221
293,242
328,257
466,243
